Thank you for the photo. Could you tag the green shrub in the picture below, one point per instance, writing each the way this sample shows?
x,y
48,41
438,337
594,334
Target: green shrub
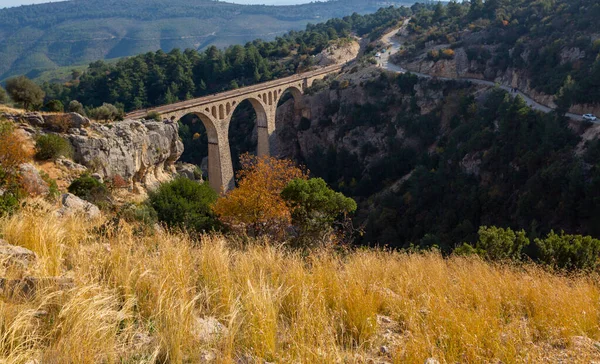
x,y
90,189
76,106
185,204
54,106
143,213
317,86
153,115
106,112
568,251
52,146
496,244
465,249
9,202
53,190
315,207
3,96
198,175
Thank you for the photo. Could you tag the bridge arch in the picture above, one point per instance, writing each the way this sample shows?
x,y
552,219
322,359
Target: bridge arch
x,y
294,90
262,121
215,112
220,171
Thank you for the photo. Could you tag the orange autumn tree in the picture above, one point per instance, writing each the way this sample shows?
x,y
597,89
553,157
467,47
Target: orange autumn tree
x,y
12,154
256,205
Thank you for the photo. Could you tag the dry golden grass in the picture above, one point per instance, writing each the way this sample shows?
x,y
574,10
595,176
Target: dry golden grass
x,y
138,299
13,110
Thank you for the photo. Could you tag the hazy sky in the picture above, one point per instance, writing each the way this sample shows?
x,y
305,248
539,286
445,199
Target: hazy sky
x,y
9,3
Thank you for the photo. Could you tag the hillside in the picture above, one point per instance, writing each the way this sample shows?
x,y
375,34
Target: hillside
x,y
429,161
115,294
387,138
157,78
548,50
403,218
46,36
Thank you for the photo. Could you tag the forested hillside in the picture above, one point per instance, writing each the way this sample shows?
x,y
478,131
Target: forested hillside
x,y
431,161
548,48
45,36
157,78
483,214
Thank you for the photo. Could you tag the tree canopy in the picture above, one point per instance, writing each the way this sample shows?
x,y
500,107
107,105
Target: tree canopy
x,y
256,204
3,96
185,204
157,78
24,91
314,206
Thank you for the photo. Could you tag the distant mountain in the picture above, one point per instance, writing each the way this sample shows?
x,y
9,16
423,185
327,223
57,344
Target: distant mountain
x,y
46,36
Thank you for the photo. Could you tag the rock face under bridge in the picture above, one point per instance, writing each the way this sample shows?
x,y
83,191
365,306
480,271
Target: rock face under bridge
x,y
215,112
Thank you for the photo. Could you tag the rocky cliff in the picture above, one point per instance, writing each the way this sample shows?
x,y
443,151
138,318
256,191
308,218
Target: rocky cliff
x,y
421,155
363,115
140,153
462,67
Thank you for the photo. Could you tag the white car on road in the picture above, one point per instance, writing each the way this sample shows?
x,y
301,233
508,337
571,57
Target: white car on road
x,y
589,117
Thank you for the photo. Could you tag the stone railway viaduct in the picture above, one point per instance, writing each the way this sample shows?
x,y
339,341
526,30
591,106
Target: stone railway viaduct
x,y
215,112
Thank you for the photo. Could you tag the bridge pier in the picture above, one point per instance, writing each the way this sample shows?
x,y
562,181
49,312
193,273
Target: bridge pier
x,y
220,169
266,133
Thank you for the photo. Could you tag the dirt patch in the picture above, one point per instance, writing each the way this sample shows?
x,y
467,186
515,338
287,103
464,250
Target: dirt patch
x,y
341,51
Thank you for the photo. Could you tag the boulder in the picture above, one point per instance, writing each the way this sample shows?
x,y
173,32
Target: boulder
x,y
188,171
137,152
33,119
569,55
64,122
97,177
70,165
72,205
208,329
33,183
16,255
471,163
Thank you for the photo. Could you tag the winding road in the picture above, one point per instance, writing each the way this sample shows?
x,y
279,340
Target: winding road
x,y
396,43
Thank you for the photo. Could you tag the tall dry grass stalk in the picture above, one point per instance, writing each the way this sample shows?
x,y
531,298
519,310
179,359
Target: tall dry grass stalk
x,y
140,298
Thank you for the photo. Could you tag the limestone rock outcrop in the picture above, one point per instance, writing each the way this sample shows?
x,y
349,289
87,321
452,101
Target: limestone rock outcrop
x,y
142,153
33,182
138,152
64,122
72,205
55,122
189,171
16,255
461,67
